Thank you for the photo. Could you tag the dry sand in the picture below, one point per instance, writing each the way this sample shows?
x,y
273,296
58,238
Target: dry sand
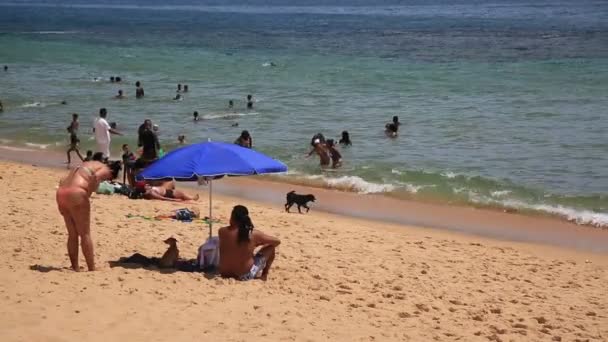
x,y
335,278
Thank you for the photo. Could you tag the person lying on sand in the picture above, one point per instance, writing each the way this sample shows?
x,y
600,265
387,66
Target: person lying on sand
x,y
73,203
164,194
237,244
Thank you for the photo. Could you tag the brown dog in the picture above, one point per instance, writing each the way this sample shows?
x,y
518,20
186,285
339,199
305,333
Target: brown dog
x,y
169,259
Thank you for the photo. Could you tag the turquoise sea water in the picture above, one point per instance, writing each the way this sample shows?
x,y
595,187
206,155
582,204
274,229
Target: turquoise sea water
x,y
502,104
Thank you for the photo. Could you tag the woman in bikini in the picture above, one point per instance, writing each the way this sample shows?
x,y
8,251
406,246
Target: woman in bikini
x,y
75,207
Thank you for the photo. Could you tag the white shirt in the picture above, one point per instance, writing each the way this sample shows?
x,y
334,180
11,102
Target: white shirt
x,y
102,131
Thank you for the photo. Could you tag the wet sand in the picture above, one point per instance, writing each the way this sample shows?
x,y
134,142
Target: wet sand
x,y
335,278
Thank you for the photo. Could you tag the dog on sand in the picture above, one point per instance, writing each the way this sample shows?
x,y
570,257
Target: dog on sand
x,y
299,200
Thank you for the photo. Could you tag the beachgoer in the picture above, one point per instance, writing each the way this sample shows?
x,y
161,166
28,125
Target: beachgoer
x,y
164,194
195,115
102,133
128,160
64,102
244,140
396,121
89,156
112,79
238,241
139,90
149,143
336,157
179,87
177,97
120,95
140,130
249,101
181,139
345,140
321,150
74,141
118,79
74,205
391,130
319,137
230,104
6,68
185,88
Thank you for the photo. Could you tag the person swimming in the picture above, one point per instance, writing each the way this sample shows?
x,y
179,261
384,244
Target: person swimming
x,y
391,130
396,121
181,139
179,88
112,79
139,90
185,88
230,104
249,101
6,68
195,115
120,95
336,157
345,140
178,97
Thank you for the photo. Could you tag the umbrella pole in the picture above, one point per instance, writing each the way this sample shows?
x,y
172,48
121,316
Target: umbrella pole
x,y
210,208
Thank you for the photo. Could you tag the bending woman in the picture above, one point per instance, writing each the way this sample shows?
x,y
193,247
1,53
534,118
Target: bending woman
x,y
75,207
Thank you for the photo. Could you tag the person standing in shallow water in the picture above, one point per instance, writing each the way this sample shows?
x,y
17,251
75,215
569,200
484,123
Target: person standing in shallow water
x,y
345,140
249,101
74,141
244,140
139,90
74,205
195,115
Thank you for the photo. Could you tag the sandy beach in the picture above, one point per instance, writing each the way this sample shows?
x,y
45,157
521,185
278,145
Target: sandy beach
x,y
335,278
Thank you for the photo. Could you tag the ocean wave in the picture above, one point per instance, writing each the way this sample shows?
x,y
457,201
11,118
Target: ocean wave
x,y
49,32
352,184
578,216
38,146
34,105
228,116
16,149
500,193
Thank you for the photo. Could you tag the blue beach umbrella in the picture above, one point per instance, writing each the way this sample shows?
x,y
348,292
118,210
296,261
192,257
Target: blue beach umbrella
x,y
210,160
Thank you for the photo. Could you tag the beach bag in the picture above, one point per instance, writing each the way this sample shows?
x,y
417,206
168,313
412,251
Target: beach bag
x,y
209,254
184,214
105,188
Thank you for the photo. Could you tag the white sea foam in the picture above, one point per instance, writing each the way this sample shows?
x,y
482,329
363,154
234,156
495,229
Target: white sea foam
x,y
16,149
38,146
33,105
353,183
500,193
449,174
396,172
228,115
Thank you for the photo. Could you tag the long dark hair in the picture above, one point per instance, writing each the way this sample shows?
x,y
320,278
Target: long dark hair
x,y
240,216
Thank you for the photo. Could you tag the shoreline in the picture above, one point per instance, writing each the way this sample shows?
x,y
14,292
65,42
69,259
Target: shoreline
x,y
488,223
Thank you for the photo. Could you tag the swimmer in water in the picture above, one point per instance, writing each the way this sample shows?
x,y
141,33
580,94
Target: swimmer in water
x,y
230,104
321,150
112,80
120,95
5,68
177,97
185,88
179,87
118,79
195,114
64,102
181,139
391,130
139,90
249,101
396,121
345,140
336,157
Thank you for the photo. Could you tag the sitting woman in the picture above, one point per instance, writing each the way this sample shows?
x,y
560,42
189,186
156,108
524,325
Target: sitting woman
x,y
164,194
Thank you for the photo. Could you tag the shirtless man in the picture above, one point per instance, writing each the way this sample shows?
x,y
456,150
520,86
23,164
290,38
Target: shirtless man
x,y
321,149
75,207
167,193
237,244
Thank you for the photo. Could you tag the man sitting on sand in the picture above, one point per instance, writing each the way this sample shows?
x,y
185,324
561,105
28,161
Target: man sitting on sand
x,y
237,244
75,207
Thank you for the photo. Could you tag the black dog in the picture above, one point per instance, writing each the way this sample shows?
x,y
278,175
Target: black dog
x,y
299,200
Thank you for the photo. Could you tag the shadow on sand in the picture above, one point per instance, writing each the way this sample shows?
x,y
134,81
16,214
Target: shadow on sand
x,y
138,261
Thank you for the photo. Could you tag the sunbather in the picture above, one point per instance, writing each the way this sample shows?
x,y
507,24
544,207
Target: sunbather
x,y
184,214
164,194
237,244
